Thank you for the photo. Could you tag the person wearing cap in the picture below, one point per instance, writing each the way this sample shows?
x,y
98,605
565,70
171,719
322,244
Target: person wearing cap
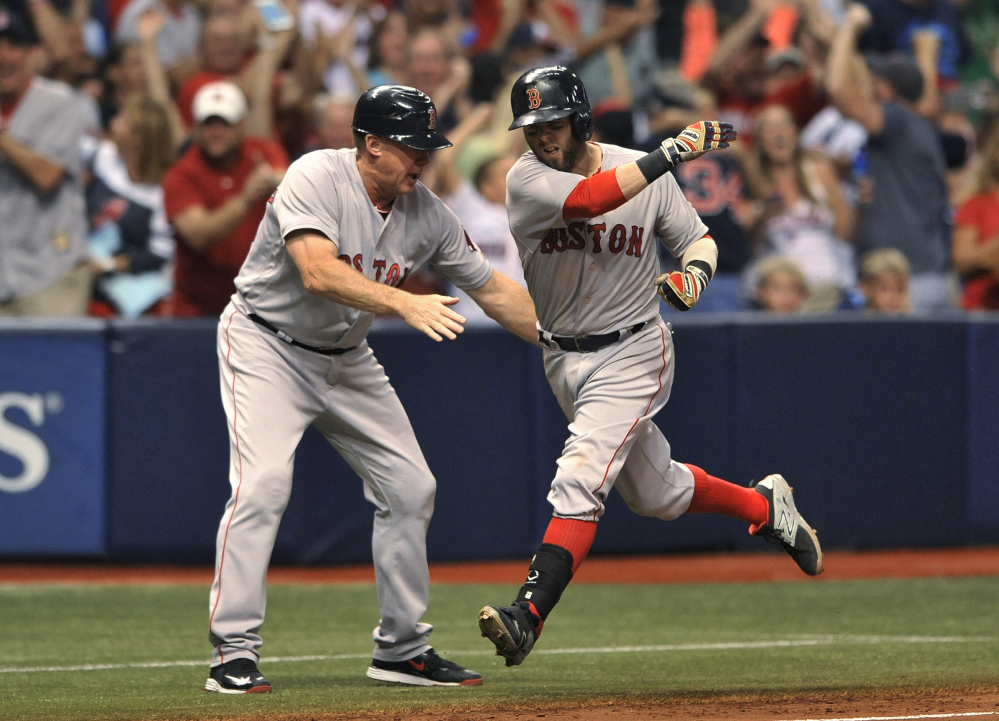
x,y
907,208
215,197
43,248
340,235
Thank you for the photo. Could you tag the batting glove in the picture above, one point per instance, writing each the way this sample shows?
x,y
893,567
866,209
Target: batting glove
x,y
692,142
697,139
681,289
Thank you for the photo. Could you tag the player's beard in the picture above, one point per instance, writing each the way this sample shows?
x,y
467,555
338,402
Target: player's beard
x,y
570,156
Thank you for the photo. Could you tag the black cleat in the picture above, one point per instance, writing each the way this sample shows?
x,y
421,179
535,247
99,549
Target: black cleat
x,y
511,630
786,528
427,669
237,676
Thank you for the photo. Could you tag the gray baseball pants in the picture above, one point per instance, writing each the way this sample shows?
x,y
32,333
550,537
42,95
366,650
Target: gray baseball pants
x,y
610,398
272,392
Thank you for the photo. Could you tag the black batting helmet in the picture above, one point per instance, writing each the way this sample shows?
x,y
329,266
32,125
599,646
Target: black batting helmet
x,y
399,113
550,93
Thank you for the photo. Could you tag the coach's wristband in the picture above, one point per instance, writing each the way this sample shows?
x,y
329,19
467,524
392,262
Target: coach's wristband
x,y
654,165
702,265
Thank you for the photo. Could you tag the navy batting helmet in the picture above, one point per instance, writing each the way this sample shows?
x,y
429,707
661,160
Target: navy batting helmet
x,y
399,113
545,94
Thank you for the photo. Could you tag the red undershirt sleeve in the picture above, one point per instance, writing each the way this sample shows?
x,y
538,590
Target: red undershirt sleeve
x,y
594,196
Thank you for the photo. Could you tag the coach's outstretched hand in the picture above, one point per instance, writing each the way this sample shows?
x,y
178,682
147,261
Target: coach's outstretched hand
x,y
431,315
697,139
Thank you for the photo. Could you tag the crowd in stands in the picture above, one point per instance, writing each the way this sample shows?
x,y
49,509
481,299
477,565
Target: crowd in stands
x,y
140,139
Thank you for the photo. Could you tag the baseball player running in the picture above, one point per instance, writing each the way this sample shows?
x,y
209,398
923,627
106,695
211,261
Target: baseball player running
x,y
341,232
585,217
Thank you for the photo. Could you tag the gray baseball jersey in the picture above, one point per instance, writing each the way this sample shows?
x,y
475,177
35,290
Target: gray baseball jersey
x,y
273,390
44,237
591,277
323,191
594,275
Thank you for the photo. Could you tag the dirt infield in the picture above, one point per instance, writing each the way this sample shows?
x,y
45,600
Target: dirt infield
x,y
839,706
895,705
679,568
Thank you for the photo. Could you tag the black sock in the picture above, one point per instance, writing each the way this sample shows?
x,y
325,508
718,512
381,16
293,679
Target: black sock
x,y
550,573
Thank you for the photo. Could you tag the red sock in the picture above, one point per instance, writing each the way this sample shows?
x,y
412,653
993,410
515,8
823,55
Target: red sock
x,y
713,495
574,536
540,623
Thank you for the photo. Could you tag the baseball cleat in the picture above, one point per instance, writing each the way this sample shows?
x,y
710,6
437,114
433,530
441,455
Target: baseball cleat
x,y
237,676
427,669
511,631
786,528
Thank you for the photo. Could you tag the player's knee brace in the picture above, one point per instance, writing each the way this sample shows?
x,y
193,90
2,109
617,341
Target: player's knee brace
x,y
550,573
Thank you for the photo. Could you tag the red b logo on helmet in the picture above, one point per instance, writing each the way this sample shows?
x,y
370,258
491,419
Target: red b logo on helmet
x,y
433,119
533,98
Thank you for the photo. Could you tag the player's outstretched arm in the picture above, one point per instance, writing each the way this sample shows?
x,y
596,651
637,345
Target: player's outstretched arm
x,y
607,190
682,288
507,303
693,141
328,277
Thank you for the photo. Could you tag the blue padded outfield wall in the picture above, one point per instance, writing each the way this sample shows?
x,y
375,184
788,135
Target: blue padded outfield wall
x,y
53,381
113,441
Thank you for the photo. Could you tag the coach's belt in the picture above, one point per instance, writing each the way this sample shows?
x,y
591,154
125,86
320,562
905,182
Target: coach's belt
x,y
587,343
291,341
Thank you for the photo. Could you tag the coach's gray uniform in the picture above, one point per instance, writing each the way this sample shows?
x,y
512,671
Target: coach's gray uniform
x,y
273,390
596,276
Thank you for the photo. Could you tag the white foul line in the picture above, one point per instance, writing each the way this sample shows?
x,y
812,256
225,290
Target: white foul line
x,y
724,646
902,718
170,664
786,643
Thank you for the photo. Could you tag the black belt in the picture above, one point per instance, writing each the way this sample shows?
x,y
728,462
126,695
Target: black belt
x,y
291,341
588,343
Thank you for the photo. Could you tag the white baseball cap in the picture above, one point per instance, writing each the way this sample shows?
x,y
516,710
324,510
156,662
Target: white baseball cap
x,y
219,99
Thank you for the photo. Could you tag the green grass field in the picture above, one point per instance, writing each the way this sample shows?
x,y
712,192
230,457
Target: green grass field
x,y
140,652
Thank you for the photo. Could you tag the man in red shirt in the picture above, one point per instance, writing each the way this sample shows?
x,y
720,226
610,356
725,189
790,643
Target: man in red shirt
x,y
741,81
215,197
